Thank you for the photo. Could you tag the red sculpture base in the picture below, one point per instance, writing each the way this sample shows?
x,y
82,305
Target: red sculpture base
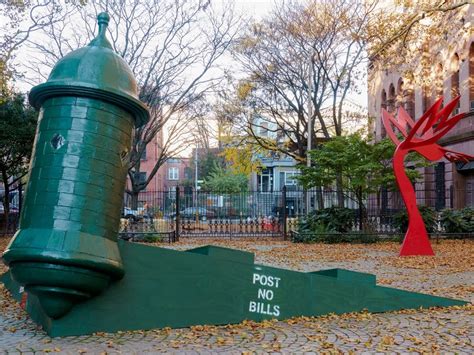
x,y
416,243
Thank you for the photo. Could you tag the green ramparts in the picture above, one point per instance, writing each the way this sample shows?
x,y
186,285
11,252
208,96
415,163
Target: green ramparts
x,y
213,285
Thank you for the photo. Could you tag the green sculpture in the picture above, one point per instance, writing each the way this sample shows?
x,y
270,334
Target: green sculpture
x,y
77,279
66,248
213,285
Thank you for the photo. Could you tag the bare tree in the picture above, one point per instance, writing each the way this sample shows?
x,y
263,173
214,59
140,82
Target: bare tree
x,y
172,47
302,56
21,20
277,55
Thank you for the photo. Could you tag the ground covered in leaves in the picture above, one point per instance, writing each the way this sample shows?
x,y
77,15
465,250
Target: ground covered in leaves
x,y
450,273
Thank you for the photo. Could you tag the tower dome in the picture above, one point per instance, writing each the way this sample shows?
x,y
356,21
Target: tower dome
x,y
94,71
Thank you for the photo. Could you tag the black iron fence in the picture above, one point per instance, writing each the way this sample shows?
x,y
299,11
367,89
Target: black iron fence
x,y
9,224
185,212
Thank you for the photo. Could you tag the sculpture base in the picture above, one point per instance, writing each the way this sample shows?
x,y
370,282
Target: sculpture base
x,y
58,287
213,285
416,243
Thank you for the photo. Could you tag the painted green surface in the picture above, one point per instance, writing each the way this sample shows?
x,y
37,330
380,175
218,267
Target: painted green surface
x,y
163,287
66,248
224,254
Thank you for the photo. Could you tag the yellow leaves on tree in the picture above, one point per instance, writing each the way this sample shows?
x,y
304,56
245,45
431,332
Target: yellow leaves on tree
x,y
244,89
241,159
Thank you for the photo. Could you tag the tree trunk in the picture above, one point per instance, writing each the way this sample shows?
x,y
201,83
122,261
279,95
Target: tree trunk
x,y
362,212
319,195
339,190
134,199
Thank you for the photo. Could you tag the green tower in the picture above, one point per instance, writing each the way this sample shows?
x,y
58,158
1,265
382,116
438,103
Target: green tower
x,y
66,248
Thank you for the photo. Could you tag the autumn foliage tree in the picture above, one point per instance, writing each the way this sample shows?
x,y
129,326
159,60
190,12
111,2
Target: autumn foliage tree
x,y
302,56
302,64
398,30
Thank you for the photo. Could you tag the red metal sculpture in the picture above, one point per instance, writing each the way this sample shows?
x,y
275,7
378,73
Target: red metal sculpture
x,y
420,137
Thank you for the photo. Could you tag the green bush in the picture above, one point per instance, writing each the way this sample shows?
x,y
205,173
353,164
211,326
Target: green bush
x,y
332,219
330,225
400,220
458,221
309,232
334,238
469,217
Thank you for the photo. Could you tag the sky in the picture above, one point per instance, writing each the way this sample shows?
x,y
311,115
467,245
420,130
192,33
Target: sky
x,y
257,9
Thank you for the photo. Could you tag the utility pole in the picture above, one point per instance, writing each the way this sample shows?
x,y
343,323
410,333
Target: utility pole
x,y
196,183
196,168
310,125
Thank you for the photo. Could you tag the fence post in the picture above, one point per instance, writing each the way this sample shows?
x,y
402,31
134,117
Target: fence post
x,y
20,197
284,216
177,213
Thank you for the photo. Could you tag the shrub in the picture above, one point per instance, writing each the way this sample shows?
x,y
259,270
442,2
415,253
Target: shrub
x,y
330,225
332,219
334,238
458,221
468,213
308,231
400,220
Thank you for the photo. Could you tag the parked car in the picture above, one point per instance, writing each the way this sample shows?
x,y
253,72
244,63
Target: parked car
x,y
190,213
135,215
203,213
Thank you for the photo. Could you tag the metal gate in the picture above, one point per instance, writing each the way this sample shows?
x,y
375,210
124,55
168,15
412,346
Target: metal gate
x,y
188,213
245,214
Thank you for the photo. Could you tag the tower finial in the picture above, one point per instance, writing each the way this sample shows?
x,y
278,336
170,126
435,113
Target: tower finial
x,y
103,20
101,40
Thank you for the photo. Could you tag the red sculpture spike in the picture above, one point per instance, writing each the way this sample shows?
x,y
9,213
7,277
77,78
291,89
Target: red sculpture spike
x,y
421,138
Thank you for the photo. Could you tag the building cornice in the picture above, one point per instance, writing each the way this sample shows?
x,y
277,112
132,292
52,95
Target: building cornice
x,y
457,138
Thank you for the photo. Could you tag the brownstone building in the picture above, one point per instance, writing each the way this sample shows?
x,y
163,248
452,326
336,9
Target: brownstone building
x,y
445,184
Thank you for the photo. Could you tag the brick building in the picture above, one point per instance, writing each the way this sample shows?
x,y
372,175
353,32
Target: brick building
x,y
445,184
175,172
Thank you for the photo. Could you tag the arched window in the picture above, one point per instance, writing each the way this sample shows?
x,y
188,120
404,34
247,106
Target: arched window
x,y
400,93
384,99
455,80
383,132
391,99
471,77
